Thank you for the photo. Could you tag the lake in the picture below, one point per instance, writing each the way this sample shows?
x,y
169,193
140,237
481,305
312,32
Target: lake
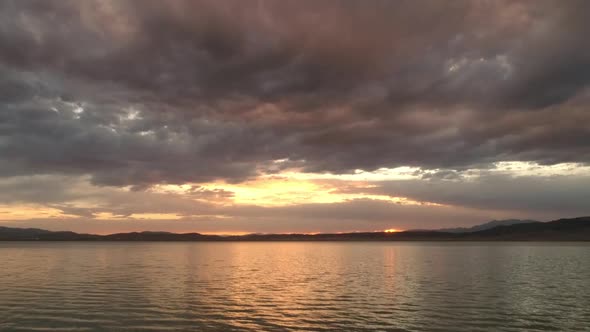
x,y
294,286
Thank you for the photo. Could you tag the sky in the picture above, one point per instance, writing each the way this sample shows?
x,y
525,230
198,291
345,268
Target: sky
x,y
232,117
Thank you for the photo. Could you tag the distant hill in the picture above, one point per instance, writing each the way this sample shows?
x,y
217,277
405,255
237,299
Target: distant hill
x,y
575,229
488,225
29,234
21,232
158,236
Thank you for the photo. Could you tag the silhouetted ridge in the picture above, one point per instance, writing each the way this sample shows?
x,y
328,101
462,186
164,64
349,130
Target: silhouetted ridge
x,y
487,225
575,229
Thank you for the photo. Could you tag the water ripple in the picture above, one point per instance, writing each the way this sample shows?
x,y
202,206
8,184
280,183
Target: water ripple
x,y
294,287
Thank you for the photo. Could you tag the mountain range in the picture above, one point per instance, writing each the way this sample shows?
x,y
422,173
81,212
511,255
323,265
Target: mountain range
x,y
573,229
487,225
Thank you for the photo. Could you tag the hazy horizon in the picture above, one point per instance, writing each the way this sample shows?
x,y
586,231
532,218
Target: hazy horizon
x,y
233,117
389,230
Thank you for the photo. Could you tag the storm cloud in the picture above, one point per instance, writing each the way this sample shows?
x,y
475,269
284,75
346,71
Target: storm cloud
x,y
132,94
196,90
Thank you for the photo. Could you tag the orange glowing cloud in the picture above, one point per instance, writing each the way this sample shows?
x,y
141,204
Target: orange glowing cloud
x,y
288,189
30,211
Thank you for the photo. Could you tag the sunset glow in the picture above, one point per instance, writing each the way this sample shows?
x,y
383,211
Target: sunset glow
x,y
289,165
230,117
220,203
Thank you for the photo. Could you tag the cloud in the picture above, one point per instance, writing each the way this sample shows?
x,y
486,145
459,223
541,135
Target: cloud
x,y
358,215
461,200
81,206
102,101
554,196
221,89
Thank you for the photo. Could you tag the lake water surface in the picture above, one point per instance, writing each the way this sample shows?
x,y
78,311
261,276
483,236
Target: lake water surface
x,y
294,286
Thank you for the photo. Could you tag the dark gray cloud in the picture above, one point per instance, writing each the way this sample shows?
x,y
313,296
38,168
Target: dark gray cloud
x,y
565,195
143,92
77,196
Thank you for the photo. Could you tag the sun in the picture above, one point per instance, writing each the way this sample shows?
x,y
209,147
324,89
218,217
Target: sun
x,y
392,230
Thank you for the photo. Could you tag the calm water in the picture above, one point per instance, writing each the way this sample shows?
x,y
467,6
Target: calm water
x,y
282,286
